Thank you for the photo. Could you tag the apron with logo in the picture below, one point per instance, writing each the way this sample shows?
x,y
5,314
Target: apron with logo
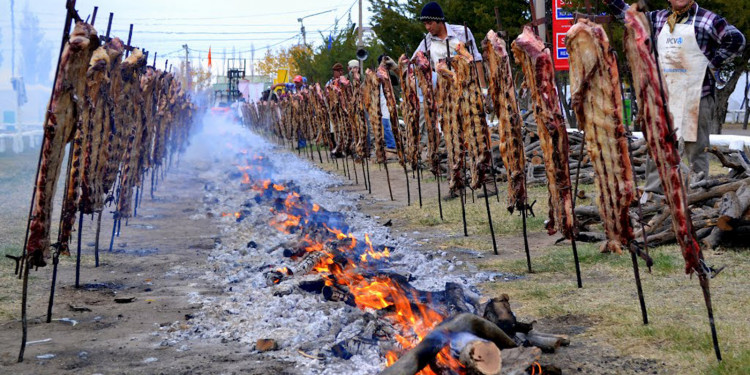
x,y
683,65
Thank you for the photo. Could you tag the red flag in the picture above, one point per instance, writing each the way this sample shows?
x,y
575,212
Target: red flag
x,y
209,57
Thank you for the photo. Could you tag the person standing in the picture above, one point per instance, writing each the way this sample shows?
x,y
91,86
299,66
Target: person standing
x,y
439,31
692,43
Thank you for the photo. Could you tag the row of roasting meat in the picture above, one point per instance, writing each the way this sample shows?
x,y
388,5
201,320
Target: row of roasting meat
x,y
454,107
119,119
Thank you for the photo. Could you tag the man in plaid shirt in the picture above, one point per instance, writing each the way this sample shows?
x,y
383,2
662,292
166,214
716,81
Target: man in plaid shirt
x,y
692,43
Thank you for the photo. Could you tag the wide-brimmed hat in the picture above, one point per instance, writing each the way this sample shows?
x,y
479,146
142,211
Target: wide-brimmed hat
x,y
432,12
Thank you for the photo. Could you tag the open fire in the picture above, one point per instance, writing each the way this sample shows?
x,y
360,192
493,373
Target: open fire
x,y
336,291
344,261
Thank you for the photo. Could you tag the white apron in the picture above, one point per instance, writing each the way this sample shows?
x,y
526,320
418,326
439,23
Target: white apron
x,y
683,65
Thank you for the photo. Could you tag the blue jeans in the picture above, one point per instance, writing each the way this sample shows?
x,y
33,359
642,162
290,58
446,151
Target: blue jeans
x,y
390,142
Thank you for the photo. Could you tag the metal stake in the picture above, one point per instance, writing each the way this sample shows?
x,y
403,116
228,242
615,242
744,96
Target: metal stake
x,y
96,241
489,217
78,248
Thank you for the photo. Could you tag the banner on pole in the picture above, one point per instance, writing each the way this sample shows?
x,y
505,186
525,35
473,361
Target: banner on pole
x,y
562,21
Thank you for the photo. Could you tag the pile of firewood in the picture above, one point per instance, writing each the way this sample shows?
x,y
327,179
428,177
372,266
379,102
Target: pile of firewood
x,y
720,206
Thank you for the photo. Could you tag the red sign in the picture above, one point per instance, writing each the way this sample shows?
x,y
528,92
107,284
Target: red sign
x,y
562,21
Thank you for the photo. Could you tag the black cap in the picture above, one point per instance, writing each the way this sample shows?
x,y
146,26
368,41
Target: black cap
x,y
432,12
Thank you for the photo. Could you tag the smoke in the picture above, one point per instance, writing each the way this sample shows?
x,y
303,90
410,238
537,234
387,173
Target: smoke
x,y
221,137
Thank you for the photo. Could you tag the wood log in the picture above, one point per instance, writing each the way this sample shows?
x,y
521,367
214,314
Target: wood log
x,y
418,357
480,357
564,339
548,344
309,262
717,191
517,360
733,206
498,311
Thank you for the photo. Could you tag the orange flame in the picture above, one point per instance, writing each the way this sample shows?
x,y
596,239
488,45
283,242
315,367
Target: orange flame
x,y
413,319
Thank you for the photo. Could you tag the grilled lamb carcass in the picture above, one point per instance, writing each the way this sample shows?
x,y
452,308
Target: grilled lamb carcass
x,y
448,98
371,91
65,108
424,75
537,67
657,127
502,91
597,101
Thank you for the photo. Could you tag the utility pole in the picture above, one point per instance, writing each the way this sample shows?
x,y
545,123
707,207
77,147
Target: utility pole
x,y
302,26
187,67
252,61
359,32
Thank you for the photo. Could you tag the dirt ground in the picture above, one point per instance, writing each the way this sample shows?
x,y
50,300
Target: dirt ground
x,y
156,260
161,253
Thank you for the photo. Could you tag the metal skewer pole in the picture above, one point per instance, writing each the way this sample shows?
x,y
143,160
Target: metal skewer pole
x,y
24,264
437,172
475,76
463,177
633,247
525,202
702,275
418,144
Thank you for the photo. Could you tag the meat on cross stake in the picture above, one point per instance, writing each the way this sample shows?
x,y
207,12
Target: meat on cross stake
x,y
597,101
372,103
424,74
537,67
659,132
65,111
410,111
448,98
502,91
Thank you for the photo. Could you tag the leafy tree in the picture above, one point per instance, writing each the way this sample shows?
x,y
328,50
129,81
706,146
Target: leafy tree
x,y
35,52
273,61
398,27
316,64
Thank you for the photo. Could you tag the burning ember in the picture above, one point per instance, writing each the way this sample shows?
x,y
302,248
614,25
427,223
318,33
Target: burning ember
x,y
345,261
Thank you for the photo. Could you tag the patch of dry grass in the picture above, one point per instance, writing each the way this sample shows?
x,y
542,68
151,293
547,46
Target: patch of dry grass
x,y
678,333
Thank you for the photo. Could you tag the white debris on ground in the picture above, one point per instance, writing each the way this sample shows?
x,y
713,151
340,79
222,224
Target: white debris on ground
x,y
304,325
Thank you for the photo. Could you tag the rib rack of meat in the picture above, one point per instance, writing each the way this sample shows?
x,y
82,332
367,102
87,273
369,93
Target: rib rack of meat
x,y
657,128
537,67
474,123
64,112
502,91
107,162
371,91
361,142
423,71
133,126
410,111
97,93
390,98
448,97
597,101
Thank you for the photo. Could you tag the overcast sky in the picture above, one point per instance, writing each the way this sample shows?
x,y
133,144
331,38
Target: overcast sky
x,y
164,26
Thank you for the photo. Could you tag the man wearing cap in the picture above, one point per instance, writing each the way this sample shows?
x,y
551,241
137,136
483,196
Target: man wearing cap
x,y
439,31
298,83
352,66
338,71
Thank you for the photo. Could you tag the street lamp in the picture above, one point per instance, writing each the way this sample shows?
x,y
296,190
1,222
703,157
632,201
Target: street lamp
x,y
302,26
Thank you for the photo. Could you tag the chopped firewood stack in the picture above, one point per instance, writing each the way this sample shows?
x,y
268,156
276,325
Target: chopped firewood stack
x,y
107,108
